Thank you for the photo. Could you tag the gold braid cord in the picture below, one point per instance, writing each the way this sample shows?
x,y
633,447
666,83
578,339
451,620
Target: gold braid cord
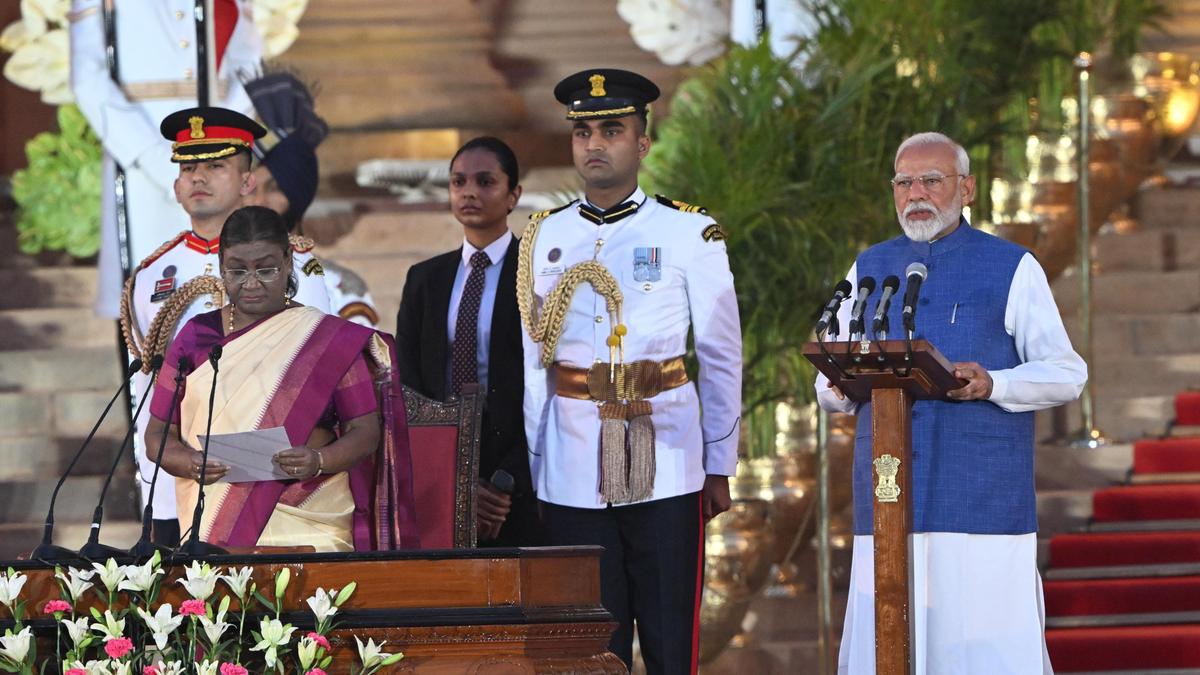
x,y
162,327
547,326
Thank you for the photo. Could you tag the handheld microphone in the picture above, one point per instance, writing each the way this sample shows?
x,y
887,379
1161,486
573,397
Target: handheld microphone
x,y
866,286
504,481
916,274
879,324
93,549
194,547
144,548
46,550
843,291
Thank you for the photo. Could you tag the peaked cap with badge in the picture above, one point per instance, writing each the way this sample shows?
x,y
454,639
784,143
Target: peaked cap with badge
x,y
201,134
605,93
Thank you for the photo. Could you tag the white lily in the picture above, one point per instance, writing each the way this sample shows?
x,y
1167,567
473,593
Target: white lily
x,y
213,630
373,656
161,623
10,587
170,668
111,574
120,667
74,582
141,578
93,667
238,581
274,635
306,652
207,668
201,580
322,604
78,631
112,627
15,646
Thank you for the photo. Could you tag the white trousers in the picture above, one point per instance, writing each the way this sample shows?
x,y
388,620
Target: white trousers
x,y
977,607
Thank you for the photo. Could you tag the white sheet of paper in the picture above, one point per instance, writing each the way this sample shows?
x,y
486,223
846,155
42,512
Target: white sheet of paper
x,y
248,454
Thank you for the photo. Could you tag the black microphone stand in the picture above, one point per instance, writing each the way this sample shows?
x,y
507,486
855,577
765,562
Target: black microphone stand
x,y
144,548
47,551
194,547
93,549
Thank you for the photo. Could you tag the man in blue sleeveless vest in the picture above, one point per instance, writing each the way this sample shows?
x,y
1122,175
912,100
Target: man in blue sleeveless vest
x,y
987,306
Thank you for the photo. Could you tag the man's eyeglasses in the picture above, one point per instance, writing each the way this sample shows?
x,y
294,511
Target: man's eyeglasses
x,y
932,183
236,277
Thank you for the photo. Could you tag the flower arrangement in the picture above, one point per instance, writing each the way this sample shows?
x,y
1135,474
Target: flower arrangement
x,y
204,635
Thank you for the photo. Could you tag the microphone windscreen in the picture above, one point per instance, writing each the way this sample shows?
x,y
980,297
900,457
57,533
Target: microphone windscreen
x,y
844,287
917,269
892,282
134,366
504,481
867,284
156,362
215,352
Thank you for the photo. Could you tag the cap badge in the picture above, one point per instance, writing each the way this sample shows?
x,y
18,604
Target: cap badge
x,y
597,85
197,124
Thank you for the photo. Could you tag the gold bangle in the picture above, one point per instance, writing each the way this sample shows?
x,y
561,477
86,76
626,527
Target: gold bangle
x,y
320,463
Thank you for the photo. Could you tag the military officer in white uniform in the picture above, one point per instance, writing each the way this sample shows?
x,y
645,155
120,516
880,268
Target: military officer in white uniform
x,y
181,279
155,54
626,452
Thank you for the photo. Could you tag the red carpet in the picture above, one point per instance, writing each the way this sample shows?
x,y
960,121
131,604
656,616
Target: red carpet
x,y
1146,502
1168,455
1133,647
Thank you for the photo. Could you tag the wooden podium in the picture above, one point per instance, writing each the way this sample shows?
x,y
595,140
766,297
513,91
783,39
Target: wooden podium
x,y
450,611
890,375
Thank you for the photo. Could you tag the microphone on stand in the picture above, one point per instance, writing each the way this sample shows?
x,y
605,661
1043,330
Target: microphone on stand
x,y
879,324
194,547
866,286
829,316
46,550
916,274
93,549
144,548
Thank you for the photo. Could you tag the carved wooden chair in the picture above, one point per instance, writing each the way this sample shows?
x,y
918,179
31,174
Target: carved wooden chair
x,y
444,437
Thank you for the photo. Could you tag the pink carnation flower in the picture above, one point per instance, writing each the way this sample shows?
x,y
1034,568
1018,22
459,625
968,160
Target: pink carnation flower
x,y
315,671
79,671
193,608
232,669
118,647
56,606
320,640
150,670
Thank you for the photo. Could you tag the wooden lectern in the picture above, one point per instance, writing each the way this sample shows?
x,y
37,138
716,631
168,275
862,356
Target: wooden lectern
x,y
890,374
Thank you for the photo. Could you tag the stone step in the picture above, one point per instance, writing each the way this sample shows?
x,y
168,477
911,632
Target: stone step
x,y
1065,510
1060,467
1150,250
1168,207
1140,334
30,456
53,327
396,231
1122,418
1133,293
18,539
27,500
61,413
47,370
47,287
1147,375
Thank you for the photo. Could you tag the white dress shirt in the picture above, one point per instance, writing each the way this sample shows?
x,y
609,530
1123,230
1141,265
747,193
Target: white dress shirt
x,y
694,291
491,280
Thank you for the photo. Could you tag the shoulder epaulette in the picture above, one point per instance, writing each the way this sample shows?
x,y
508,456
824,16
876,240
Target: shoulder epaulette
x,y
301,244
161,250
538,215
680,206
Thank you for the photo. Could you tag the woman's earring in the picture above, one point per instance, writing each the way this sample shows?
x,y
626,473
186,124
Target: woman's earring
x,y
287,300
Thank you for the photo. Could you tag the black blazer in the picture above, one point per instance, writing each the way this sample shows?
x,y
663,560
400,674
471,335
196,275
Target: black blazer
x,y
421,346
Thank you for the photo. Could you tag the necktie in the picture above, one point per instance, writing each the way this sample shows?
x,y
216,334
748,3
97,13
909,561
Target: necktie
x,y
466,326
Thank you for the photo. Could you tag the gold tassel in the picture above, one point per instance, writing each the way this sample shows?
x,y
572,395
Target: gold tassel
x,y
641,451
614,467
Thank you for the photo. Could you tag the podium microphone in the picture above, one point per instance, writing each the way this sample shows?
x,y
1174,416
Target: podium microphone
x,y
866,286
828,317
879,324
46,550
144,548
916,274
194,547
93,549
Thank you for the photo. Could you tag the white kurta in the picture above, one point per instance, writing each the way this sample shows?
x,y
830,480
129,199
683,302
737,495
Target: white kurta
x,y
156,55
184,262
978,598
693,290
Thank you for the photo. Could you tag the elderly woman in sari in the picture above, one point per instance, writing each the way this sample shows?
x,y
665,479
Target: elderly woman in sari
x,y
328,382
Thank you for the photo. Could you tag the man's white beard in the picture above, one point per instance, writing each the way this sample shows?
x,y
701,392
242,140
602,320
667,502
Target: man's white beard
x,y
925,230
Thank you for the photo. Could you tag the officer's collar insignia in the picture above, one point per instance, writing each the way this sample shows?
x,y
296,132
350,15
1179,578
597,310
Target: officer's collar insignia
x,y
622,210
200,244
597,82
197,124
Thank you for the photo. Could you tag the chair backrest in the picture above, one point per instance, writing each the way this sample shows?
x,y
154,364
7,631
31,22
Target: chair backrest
x,y
444,437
